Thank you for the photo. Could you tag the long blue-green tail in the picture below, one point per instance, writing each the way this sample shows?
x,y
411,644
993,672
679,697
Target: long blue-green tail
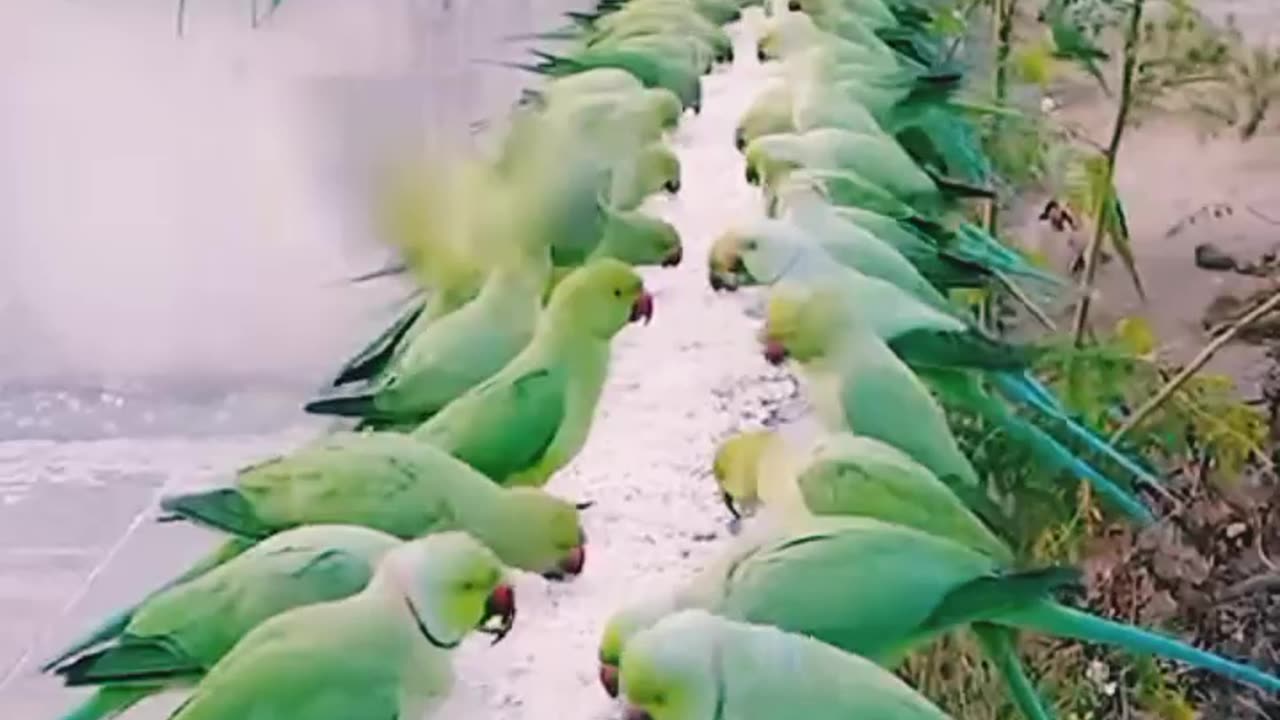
x,y
997,643
977,244
107,629
1026,390
1051,451
1054,619
110,701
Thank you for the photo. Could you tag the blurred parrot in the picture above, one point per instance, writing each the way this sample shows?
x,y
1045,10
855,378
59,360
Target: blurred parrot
x,y
382,653
398,485
695,665
175,635
531,418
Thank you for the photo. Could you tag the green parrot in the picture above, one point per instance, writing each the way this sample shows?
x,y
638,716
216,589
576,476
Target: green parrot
x,y
948,352
881,591
531,418
838,333
455,353
670,62
695,665
866,204
954,264
766,251
842,474
1072,42
792,33
875,157
853,376
381,653
449,221
175,635
637,238
396,484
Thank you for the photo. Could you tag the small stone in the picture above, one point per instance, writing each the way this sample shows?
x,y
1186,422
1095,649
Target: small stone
x,y
1236,529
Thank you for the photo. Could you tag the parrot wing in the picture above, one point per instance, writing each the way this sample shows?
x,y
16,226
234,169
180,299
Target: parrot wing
x,y
503,426
959,349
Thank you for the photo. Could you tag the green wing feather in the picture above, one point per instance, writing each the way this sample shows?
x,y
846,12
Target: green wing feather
x,y
503,427
967,349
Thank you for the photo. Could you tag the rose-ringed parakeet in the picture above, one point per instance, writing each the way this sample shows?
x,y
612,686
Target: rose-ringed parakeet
x,y
382,653
533,417
175,635
397,484
694,665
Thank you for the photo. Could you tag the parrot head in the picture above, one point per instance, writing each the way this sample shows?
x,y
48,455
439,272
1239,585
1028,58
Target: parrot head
x,y
669,672
658,169
618,631
665,107
798,324
757,255
735,469
538,532
601,297
769,158
452,585
639,239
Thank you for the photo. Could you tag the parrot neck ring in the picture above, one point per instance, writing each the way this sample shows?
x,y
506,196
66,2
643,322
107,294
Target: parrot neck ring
x,y
426,631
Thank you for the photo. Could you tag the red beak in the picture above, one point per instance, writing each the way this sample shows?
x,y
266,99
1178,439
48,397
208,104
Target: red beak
x,y
609,679
642,308
774,352
569,566
501,604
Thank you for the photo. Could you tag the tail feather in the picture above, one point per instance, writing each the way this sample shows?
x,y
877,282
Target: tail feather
x,y
1051,451
565,33
979,244
108,629
378,353
224,509
109,701
357,405
998,644
526,67
1027,390
1055,619
136,660
115,625
961,189
392,269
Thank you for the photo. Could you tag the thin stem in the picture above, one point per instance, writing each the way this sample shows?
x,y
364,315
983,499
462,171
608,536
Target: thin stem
x,y
182,11
1094,250
1195,365
1025,300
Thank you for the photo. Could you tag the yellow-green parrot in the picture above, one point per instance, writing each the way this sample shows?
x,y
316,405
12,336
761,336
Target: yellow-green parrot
x,y
881,591
177,633
382,653
694,665
533,417
847,475
396,484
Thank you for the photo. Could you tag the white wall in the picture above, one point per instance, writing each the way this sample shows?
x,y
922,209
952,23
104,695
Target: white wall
x,y
179,209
